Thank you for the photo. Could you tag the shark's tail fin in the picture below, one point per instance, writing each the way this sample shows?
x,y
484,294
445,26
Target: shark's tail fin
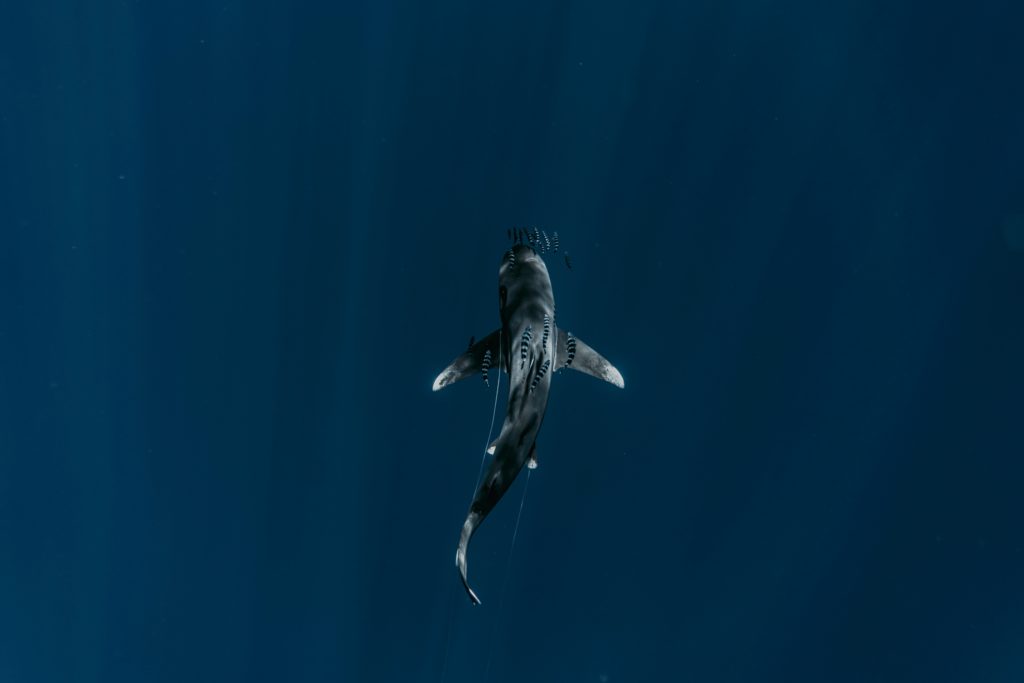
x,y
468,528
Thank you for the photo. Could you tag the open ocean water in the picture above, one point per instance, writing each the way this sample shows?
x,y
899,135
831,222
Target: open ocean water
x,y
238,240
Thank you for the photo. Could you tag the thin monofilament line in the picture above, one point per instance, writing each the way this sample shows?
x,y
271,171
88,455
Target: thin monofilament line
x,y
515,533
490,430
448,631
480,471
504,581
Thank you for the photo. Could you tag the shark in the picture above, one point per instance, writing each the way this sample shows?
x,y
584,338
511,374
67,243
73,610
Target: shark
x,y
530,348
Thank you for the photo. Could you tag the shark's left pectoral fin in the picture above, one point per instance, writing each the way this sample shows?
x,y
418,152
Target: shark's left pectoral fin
x,y
480,357
574,353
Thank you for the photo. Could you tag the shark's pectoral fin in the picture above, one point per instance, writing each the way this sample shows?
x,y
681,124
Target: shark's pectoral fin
x,y
480,357
574,353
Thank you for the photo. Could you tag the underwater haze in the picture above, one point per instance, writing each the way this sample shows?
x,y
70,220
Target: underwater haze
x,y
238,241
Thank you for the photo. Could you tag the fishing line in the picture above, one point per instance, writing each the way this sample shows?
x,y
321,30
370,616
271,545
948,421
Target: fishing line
x,y
480,472
504,581
448,630
494,413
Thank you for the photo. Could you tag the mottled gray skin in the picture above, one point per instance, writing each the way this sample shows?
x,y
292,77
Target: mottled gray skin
x,y
525,297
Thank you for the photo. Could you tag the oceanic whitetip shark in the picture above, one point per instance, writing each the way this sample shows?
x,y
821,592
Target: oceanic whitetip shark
x,y
530,348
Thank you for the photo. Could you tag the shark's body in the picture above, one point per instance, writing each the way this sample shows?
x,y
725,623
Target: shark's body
x,y
530,348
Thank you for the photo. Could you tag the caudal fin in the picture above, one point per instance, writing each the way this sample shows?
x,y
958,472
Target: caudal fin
x,y
460,554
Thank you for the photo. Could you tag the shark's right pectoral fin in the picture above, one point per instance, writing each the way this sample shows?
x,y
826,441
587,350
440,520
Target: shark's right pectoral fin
x,y
475,359
574,353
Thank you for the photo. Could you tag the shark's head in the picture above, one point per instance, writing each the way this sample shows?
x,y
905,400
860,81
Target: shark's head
x,y
523,275
521,260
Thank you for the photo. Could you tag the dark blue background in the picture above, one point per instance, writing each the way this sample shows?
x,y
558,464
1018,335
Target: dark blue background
x,y
239,239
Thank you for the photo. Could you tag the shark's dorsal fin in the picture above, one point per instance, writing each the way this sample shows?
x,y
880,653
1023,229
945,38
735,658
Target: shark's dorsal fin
x,y
471,362
572,352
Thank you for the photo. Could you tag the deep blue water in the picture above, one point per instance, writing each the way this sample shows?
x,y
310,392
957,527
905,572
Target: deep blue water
x,y
239,239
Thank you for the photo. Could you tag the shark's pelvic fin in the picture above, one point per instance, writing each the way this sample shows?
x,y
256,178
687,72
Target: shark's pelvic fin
x,y
573,352
471,362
